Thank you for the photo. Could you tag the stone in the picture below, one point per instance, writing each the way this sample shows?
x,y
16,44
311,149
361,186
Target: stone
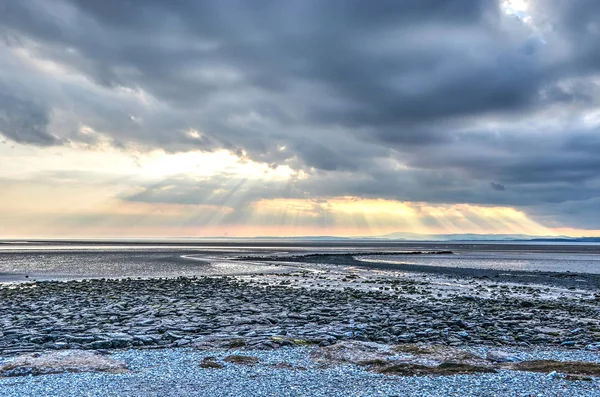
x,y
350,352
565,367
593,347
211,363
403,360
216,343
288,366
61,362
548,331
101,344
443,369
145,339
173,336
242,360
498,356
119,339
60,345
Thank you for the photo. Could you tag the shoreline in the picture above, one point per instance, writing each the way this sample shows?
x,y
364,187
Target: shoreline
x,y
165,330
563,279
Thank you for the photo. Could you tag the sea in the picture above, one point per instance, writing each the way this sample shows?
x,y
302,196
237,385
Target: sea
x,y
61,260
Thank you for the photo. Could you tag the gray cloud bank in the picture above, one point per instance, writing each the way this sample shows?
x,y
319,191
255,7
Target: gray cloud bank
x,y
432,100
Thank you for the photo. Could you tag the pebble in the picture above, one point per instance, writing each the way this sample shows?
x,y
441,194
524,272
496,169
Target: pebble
x,y
178,372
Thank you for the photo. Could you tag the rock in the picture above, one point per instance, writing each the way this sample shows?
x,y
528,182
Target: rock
x,y
173,336
146,322
220,343
119,339
350,352
288,366
101,344
408,337
242,360
263,345
145,339
443,369
548,331
541,338
565,367
498,356
60,362
79,339
51,314
211,362
404,360
438,354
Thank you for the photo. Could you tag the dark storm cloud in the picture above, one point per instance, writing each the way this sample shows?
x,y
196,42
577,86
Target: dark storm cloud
x,y
497,186
577,22
378,65
413,100
24,121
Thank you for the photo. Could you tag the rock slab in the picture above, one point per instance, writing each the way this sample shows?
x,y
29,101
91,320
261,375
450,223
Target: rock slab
x,y
61,362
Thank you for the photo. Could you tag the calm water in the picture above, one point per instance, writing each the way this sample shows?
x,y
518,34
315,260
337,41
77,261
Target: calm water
x,y
542,261
61,260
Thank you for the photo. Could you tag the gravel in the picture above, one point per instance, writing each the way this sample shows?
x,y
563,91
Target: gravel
x,y
176,372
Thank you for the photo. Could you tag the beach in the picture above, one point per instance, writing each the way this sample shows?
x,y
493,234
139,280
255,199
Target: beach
x,y
305,302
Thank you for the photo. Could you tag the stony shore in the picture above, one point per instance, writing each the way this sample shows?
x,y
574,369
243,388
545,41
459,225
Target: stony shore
x,y
334,327
315,308
289,372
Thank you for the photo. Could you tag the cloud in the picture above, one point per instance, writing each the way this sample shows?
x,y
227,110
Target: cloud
x,y
497,186
24,121
425,101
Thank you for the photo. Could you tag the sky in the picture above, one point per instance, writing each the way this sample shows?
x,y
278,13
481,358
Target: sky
x,y
151,118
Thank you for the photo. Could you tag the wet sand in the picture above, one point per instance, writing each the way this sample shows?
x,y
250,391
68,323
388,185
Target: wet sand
x,y
562,279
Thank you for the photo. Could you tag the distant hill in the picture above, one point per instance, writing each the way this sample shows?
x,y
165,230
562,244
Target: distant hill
x,y
399,236
486,237
445,237
570,239
433,237
466,237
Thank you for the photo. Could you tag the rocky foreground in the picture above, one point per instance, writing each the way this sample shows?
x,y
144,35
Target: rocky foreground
x,y
315,308
229,367
318,331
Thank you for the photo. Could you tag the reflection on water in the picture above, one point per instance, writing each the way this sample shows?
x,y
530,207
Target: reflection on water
x,y
15,266
60,260
502,260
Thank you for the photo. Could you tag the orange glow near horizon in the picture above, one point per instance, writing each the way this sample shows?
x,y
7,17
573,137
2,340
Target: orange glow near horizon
x,y
42,199
337,216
